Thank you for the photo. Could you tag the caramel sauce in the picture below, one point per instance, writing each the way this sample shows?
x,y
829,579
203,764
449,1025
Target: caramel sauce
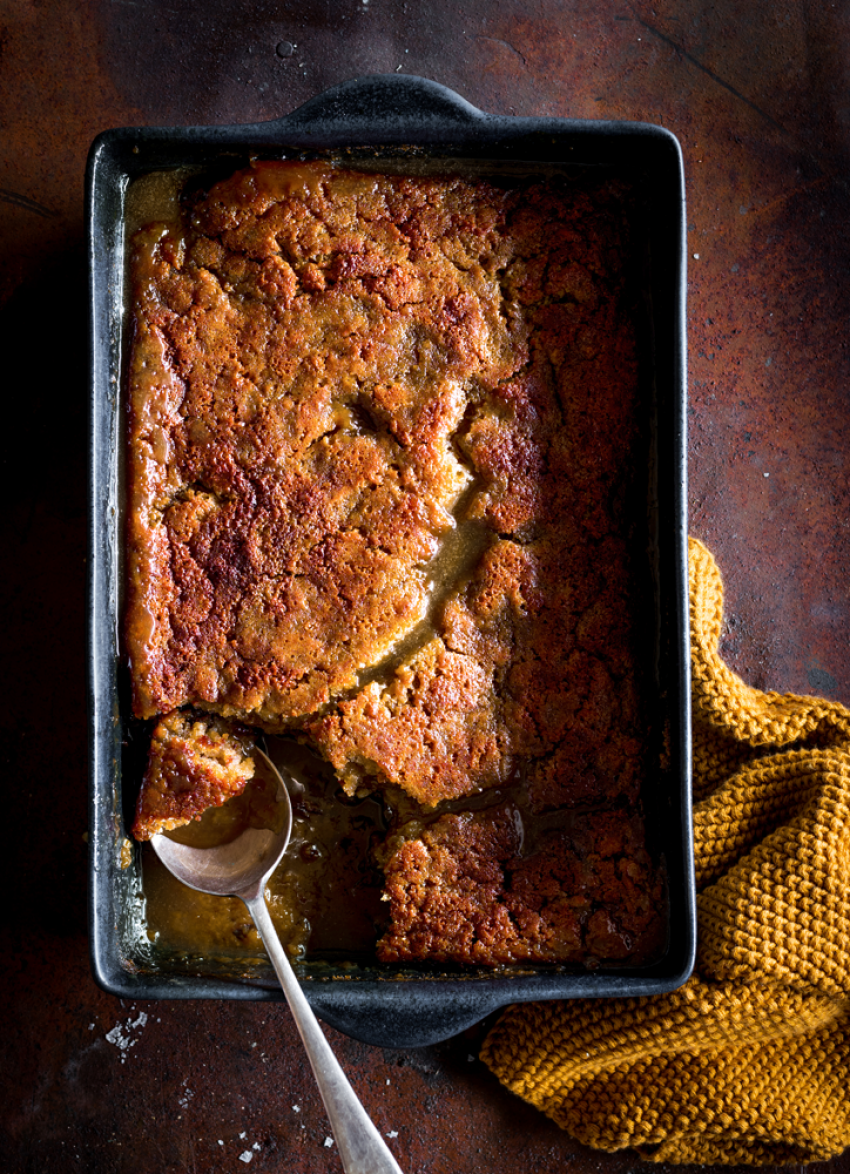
x,y
460,552
325,895
154,198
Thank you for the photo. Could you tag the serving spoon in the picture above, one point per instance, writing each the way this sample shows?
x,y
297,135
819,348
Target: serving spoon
x,y
241,868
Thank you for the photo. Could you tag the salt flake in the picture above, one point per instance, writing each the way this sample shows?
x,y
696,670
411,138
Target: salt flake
x,y
120,1036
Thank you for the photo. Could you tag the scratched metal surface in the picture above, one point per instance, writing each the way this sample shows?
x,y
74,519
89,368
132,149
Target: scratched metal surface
x,y
758,96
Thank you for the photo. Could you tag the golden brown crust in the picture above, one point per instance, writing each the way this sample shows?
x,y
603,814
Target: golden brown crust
x,y
194,763
465,889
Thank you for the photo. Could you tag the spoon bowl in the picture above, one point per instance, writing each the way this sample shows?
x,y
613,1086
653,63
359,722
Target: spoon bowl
x,y
240,867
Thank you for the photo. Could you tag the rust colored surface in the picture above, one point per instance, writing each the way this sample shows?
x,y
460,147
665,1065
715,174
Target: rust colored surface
x,y
757,95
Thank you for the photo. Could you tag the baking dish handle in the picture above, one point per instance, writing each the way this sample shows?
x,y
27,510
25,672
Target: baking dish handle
x,y
397,105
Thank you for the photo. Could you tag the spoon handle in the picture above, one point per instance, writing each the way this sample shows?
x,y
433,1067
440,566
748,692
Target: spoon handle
x,y
361,1147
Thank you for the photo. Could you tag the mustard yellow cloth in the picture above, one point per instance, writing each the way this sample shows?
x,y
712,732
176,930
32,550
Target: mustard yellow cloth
x,y
749,1063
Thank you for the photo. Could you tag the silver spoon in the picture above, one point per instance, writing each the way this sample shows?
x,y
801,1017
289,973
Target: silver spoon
x,y
241,868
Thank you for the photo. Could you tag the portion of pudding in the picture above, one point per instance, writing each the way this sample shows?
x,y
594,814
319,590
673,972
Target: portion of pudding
x,y
522,680
305,347
195,763
469,889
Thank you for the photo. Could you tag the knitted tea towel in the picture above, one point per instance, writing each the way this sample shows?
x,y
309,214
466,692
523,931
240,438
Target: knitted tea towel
x,y
749,1062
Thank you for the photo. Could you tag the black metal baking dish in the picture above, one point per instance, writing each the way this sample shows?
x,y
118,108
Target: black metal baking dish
x,y
383,116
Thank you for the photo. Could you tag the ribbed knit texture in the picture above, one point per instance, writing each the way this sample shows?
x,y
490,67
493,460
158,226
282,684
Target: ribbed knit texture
x,y
749,1062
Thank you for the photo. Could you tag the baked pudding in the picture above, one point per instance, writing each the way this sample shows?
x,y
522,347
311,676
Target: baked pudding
x,y
385,472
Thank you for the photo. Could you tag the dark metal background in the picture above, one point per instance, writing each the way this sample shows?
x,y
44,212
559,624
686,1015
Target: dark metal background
x,y
759,96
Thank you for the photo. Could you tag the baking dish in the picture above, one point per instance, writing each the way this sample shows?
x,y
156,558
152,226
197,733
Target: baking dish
x,y
374,121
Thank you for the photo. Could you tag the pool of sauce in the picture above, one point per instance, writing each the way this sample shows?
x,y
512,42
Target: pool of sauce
x,y
325,895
